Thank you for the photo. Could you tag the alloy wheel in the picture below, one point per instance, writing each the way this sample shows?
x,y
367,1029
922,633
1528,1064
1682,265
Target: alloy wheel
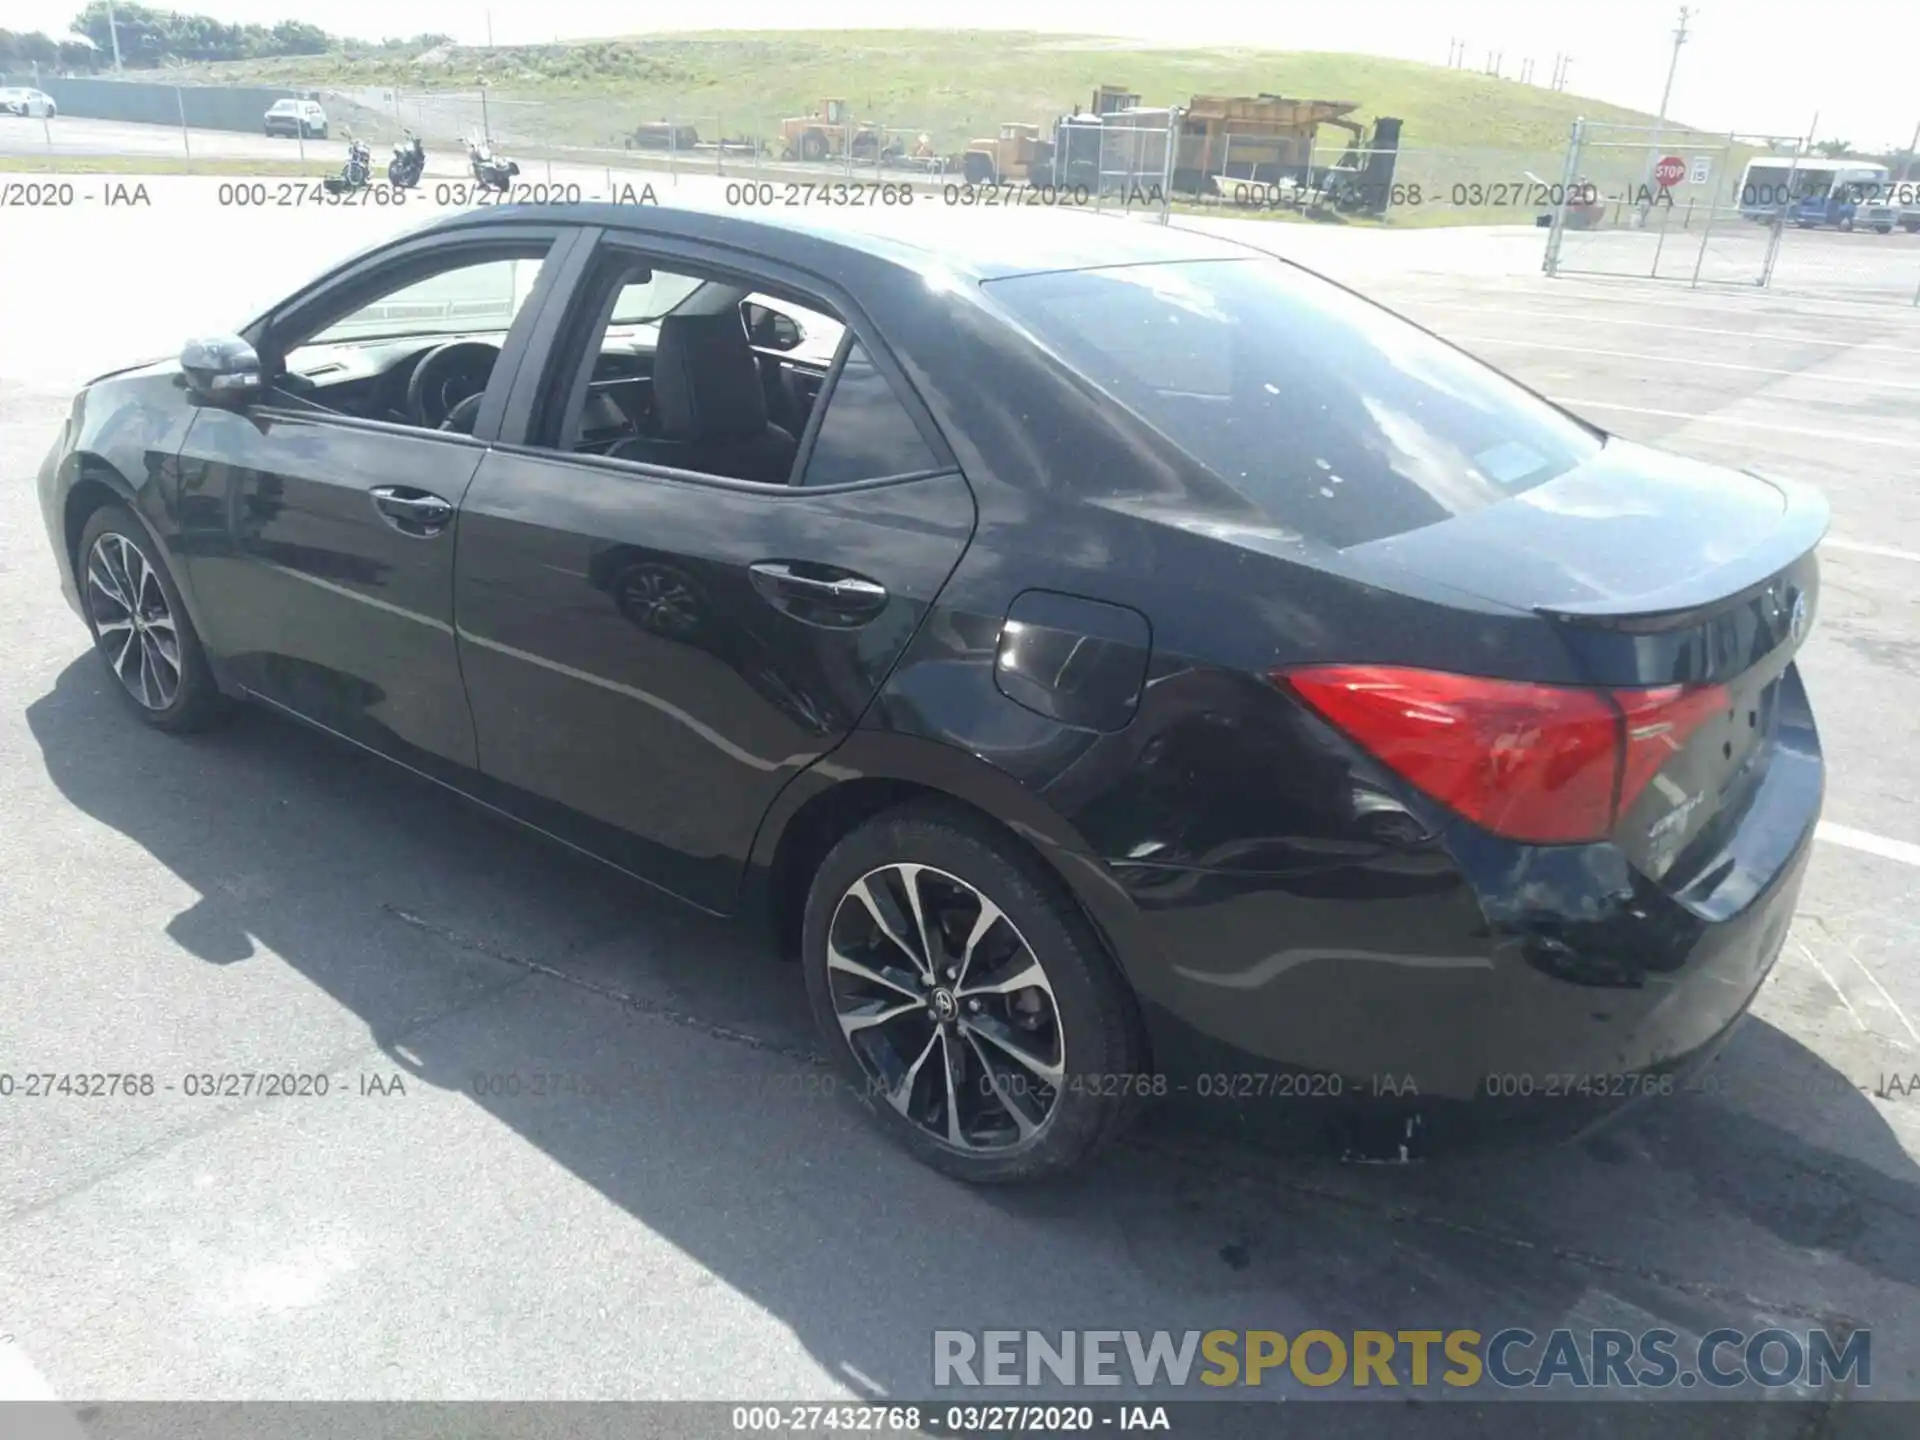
x,y
946,1007
132,622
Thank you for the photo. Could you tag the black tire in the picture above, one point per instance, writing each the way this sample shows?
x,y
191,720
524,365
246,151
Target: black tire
x,y
196,703
1093,1028
813,146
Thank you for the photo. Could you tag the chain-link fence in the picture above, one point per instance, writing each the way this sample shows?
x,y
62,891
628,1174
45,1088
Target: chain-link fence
x,y
1394,185
676,139
1738,209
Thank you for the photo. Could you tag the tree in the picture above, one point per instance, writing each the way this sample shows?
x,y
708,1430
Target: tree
x,y
1834,149
150,37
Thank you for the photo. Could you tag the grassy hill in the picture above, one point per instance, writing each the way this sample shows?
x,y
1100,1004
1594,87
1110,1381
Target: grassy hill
x,y
953,84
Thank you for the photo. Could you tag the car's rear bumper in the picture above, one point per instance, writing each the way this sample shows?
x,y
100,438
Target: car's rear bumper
x,y
1443,992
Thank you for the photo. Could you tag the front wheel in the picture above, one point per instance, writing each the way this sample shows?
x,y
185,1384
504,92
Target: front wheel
x,y
140,627
967,1001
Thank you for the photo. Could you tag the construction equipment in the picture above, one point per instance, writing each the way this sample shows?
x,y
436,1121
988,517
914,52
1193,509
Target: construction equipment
x,y
831,133
1024,152
1269,139
1361,181
663,135
1012,157
1266,140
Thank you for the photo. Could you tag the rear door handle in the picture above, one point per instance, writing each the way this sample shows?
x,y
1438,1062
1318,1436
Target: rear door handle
x,y
412,512
780,582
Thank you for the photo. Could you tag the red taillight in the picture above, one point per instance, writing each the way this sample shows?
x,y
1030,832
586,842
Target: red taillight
x,y
1545,764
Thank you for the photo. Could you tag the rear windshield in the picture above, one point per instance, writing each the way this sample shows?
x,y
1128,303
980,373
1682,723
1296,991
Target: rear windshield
x,y
1340,420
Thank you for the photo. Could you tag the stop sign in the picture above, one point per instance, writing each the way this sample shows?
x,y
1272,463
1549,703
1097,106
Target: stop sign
x,y
1670,171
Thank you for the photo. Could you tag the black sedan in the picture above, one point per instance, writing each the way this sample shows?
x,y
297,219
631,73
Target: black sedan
x,y
1119,663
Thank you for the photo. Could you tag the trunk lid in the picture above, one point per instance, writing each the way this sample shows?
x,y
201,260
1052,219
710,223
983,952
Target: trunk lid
x,y
1684,588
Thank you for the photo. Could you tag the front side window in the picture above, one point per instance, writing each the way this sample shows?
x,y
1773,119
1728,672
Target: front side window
x,y
421,350
483,296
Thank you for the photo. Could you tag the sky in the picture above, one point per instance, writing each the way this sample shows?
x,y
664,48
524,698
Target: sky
x,y
1757,66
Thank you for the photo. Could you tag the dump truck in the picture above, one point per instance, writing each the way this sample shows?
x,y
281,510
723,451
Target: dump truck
x,y
1270,139
831,133
1265,140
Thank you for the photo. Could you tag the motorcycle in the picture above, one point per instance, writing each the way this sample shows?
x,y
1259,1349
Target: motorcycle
x,y
489,171
356,174
409,162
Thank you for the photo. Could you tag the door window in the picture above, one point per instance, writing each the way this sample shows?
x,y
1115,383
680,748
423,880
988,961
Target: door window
x,y
420,350
866,433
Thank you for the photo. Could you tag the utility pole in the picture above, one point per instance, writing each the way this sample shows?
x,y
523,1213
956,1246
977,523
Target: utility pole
x,y
1660,120
489,29
1906,170
113,31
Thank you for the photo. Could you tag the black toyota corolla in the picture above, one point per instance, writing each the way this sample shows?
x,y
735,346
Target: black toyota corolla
x,y
1119,662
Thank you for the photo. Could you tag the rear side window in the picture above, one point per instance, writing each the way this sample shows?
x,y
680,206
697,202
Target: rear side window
x,y
1340,420
866,433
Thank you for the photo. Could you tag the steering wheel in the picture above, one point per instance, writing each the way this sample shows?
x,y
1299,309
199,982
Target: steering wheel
x,y
446,377
460,419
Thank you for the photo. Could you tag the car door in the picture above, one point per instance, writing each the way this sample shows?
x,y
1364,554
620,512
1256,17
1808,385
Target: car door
x,y
650,653
318,523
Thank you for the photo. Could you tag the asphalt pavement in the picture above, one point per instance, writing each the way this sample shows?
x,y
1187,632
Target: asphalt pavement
x,y
710,1223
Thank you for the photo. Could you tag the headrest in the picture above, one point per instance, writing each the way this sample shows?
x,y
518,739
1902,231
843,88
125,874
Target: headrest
x,y
706,382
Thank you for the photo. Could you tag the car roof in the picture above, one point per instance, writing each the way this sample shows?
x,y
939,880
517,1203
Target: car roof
x,y
986,242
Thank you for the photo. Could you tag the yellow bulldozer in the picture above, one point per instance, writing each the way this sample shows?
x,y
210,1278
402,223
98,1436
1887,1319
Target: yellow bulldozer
x,y
1012,157
831,133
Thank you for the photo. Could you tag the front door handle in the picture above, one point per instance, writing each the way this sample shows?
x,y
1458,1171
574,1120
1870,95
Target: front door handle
x,y
784,583
412,512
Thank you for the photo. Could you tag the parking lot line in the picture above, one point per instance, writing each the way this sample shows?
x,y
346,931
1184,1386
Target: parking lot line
x,y
1901,850
1586,318
1863,548
1876,383
1832,984
1850,438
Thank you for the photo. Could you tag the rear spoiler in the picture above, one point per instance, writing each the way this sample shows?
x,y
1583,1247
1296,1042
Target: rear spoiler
x,y
1803,524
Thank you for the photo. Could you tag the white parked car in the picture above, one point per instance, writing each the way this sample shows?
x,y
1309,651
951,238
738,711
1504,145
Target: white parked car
x,y
35,104
296,118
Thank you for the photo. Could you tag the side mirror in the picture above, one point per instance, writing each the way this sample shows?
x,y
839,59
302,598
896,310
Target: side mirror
x,y
221,368
771,330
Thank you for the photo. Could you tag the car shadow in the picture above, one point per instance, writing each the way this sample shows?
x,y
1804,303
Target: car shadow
x,y
1703,1211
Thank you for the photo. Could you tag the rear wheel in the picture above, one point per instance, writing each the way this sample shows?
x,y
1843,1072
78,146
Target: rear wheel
x,y
813,146
969,1004
140,627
